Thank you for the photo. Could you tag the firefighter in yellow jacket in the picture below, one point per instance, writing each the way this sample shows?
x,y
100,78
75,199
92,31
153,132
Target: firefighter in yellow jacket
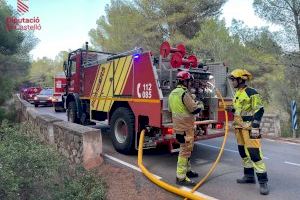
x,y
183,108
248,111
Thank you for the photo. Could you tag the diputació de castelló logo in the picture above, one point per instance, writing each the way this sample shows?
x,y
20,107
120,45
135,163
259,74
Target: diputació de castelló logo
x,y
22,23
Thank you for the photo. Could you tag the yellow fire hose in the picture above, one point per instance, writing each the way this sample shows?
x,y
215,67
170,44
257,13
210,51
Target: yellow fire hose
x,y
166,186
162,184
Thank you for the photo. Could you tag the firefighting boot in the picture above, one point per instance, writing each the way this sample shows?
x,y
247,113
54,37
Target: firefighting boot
x,y
248,176
263,183
192,174
185,182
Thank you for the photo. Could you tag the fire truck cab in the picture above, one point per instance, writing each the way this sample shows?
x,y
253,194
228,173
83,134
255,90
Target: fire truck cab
x,y
130,91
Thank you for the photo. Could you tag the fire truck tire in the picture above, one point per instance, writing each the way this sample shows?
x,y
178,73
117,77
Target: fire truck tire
x,y
122,130
72,110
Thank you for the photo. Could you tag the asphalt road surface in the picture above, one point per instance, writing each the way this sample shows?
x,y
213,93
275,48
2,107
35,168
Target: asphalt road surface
x,y
282,160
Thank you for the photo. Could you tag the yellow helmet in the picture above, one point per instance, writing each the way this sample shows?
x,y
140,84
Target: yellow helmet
x,y
241,73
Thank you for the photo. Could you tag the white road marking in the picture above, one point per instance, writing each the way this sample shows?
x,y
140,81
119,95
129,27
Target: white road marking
x,y
284,142
291,163
230,150
127,164
234,151
158,177
198,193
200,161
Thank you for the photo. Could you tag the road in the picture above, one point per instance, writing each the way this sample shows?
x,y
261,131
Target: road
x,y
282,160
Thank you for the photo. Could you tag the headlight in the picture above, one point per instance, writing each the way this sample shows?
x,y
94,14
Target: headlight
x,y
35,98
54,99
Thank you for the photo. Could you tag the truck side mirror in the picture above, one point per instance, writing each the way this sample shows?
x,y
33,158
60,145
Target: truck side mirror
x,y
65,66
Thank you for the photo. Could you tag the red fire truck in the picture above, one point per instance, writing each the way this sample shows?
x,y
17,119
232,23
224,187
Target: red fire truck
x,y
59,91
29,93
130,90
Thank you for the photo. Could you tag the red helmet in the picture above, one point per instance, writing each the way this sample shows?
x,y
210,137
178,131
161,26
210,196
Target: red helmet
x,y
184,75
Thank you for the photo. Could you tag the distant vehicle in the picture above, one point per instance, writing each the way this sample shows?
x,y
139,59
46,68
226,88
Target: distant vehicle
x,y
22,91
44,97
28,94
59,90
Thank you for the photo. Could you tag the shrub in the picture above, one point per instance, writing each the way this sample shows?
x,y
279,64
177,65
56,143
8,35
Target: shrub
x,y
8,112
29,170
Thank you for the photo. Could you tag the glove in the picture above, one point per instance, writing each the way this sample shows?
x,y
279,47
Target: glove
x,y
180,138
254,133
237,122
193,96
200,105
255,124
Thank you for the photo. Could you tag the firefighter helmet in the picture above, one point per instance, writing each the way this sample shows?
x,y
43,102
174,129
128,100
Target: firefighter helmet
x,y
241,73
184,75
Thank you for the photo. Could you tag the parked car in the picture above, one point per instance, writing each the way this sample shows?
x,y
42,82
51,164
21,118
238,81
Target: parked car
x,y
22,92
44,97
28,94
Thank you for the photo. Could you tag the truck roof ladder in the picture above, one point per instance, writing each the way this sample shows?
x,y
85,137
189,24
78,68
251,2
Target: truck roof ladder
x,y
105,58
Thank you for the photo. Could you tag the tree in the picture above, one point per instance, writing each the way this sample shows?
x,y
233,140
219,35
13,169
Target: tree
x,y
120,30
59,60
180,17
43,70
282,12
10,41
147,23
287,14
214,41
14,54
262,56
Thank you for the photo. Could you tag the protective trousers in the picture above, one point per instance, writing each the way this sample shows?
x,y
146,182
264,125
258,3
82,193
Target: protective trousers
x,y
186,148
250,151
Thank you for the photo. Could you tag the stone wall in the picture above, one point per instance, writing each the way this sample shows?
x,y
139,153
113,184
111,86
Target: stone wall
x,y
270,125
80,144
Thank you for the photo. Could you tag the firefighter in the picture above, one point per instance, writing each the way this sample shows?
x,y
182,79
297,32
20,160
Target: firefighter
x,y
183,108
248,111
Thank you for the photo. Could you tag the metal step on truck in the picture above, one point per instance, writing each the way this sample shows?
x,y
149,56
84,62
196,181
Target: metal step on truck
x,y
130,92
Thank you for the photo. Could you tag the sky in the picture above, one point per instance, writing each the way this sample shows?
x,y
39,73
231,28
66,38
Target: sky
x,y
65,23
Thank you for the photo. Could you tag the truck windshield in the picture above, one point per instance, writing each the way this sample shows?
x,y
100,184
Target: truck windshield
x,y
47,92
73,67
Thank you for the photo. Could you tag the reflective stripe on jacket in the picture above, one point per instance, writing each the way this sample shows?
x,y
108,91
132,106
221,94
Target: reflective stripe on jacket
x,y
183,107
248,107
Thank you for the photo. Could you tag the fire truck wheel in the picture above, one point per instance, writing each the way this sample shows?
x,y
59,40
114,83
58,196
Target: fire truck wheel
x,y
122,130
72,109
